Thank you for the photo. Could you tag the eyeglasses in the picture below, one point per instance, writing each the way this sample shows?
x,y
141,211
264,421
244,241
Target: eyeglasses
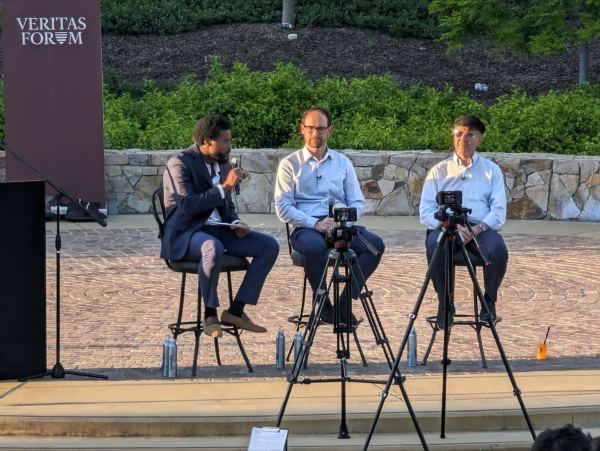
x,y
458,134
311,128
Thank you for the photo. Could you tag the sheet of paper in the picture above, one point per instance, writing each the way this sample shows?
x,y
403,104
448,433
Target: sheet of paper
x,y
268,439
234,225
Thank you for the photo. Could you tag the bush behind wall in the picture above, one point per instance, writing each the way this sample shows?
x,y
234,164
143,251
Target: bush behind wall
x,y
369,113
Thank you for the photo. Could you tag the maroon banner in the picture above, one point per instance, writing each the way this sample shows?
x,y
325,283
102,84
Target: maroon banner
x,y
53,93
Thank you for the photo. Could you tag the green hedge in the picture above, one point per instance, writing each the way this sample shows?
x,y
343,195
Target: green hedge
x,y
397,17
369,113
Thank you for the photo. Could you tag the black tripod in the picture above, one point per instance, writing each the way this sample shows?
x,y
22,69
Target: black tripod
x,y
58,371
344,262
450,239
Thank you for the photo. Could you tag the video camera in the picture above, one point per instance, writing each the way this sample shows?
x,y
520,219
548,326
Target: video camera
x,y
344,215
450,208
341,235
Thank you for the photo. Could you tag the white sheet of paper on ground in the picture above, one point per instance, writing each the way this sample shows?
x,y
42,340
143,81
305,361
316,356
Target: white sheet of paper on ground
x,y
268,439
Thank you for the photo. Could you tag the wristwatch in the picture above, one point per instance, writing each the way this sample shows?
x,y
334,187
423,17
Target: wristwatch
x,y
483,227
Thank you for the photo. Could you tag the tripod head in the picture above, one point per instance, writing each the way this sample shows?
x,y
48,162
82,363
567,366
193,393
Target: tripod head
x,y
450,210
343,232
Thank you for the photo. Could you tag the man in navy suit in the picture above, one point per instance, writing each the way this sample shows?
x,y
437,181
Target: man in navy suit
x,y
197,186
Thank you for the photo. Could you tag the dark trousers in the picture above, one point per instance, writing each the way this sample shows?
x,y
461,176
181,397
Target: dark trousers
x,y
207,247
313,246
492,245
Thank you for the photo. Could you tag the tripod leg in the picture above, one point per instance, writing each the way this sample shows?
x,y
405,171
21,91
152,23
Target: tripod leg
x,y
449,272
383,395
412,317
343,433
284,404
492,324
309,334
366,299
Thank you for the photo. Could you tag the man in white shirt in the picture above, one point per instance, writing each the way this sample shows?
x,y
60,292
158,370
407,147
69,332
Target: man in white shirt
x,y
482,185
307,180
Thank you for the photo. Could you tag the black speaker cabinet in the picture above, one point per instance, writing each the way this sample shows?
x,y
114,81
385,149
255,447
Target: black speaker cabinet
x,y
22,280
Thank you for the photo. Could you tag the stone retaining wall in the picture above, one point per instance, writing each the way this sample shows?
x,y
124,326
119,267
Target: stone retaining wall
x,y
538,186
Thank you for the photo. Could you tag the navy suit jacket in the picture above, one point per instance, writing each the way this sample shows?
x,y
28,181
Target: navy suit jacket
x,y
190,198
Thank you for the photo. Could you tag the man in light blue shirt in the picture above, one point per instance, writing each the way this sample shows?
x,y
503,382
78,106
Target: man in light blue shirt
x,y
482,185
306,181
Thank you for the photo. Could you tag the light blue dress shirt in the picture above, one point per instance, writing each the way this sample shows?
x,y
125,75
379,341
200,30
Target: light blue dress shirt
x,y
304,185
482,186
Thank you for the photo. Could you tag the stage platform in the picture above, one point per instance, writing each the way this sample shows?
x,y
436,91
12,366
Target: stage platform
x,y
210,414
118,297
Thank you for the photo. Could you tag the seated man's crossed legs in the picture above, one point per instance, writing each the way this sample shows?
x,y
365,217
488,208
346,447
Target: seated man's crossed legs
x,y
207,246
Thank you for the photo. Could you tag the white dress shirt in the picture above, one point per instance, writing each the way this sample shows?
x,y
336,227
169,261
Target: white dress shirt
x,y
304,185
482,186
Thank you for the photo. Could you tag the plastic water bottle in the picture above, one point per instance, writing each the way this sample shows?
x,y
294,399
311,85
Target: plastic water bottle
x,y
297,344
164,369
280,349
412,347
172,358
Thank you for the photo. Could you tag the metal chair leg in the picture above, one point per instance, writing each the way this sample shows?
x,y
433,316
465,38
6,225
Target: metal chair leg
x,y
431,341
481,351
197,333
180,310
299,323
478,324
217,353
196,351
236,333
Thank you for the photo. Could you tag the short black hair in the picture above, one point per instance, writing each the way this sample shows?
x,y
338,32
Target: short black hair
x,y
566,438
209,127
471,122
323,111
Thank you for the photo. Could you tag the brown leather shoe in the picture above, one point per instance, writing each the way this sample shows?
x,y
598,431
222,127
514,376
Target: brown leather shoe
x,y
241,322
212,327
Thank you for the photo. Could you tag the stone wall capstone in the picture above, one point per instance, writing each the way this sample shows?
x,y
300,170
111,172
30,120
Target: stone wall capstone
x,y
538,186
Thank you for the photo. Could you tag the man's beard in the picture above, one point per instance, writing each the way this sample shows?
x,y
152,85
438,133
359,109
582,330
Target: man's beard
x,y
316,142
221,158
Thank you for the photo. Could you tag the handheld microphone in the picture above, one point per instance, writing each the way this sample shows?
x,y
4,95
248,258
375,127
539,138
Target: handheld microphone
x,y
234,164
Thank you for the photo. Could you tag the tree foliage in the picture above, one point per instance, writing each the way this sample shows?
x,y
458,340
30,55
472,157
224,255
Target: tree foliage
x,y
536,26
